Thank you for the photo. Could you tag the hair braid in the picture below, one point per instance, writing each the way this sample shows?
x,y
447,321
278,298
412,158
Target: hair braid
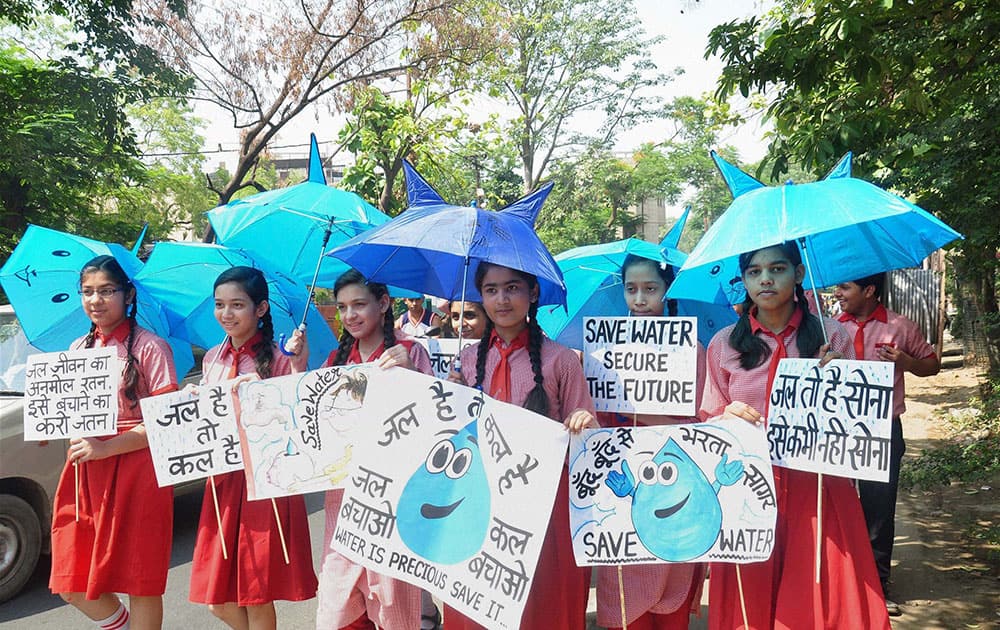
x,y
538,399
810,336
345,343
388,326
482,350
88,341
264,350
753,350
131,374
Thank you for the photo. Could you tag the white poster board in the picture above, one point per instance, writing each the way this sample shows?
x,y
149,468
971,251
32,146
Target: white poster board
x,y
71,394
835,420
297,431
440,492
442,352
192,433
680,493
642,364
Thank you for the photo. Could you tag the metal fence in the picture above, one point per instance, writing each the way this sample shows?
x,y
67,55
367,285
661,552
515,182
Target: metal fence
x,y
916,294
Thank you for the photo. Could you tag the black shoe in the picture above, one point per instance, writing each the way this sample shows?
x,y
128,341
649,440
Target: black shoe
x,y
431,622
893,608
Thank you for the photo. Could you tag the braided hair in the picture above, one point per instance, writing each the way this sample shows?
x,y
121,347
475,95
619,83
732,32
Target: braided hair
x,y
754,350
378,290
665,272
252,282
113,269
538,398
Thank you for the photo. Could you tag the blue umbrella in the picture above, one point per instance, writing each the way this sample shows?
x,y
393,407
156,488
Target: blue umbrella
x,y
42,280
183,275
290,228
846,229
595,289
434,247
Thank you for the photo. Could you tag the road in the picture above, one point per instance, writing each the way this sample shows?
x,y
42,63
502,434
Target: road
x,y
36,608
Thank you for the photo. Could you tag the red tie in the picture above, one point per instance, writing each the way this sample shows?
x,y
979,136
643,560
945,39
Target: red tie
x,y
859,340
500,383
776,356
236,353
354,356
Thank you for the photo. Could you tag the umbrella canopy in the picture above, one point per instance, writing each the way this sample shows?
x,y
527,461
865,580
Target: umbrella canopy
x,y
434,247
846,228
595,288
286,227
183,275
42,280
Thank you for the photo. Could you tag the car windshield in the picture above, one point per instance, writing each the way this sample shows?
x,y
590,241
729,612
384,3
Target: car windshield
x,y
14,350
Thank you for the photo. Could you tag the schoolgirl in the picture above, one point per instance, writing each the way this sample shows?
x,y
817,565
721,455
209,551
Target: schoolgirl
x,y
514,362
351,596
657,596
240,587
742,359
121,542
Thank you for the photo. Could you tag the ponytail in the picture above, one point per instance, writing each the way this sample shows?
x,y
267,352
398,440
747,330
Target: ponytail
x,y
131,375
810,336
264,350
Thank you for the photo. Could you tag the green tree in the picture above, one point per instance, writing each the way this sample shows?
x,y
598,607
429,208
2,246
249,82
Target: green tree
x,y
913,88
564,58
64,142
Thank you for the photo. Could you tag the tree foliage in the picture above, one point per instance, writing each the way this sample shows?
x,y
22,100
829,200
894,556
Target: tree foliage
x,y
564,58
264,67
913,88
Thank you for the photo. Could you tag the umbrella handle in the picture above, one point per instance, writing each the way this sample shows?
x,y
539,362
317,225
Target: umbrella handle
x,y
282,339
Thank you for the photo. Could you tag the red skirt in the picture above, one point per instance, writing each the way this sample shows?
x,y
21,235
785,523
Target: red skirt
x,y
254,572
121,544
559,590
782,592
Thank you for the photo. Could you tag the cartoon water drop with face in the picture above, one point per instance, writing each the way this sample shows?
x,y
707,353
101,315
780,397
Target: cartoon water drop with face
x,y
444,510
675,510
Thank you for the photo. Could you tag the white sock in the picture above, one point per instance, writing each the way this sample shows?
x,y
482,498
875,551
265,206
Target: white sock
x,y
117,621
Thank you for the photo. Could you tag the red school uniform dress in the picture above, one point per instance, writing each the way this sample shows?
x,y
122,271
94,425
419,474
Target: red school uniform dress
x,y
254,571
657,596
781,592
558,596
121,544
350,595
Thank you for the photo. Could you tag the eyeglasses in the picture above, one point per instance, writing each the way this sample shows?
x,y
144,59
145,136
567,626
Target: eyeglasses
x,y
467,314
104,293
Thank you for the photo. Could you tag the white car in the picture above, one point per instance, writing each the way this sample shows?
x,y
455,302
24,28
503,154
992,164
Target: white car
x,y
29,471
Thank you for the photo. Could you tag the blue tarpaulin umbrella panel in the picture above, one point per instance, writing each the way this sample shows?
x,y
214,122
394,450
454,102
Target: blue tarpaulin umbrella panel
x,y
434,247
286,228
183,275
847,229
42,280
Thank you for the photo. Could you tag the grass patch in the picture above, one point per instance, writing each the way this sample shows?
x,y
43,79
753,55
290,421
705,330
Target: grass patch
x,y
972,454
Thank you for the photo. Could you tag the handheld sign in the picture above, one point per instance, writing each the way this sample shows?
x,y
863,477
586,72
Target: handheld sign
x,y
298,430
71,394
192,433
451,491
442,353
641,364
834,420
678,493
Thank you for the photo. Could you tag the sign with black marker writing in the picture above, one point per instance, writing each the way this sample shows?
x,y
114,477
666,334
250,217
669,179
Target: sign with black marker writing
x,y
192,433
675,493
835,419
442,353
451,492
642,364
71,394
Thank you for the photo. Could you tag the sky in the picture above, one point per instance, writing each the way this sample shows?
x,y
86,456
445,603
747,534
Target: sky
x,y
684,25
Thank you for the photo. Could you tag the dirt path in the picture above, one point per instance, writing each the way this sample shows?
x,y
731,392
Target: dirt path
x,y
940,579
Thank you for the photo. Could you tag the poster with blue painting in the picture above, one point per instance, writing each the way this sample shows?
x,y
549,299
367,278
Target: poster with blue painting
x,y
677,493
438,489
